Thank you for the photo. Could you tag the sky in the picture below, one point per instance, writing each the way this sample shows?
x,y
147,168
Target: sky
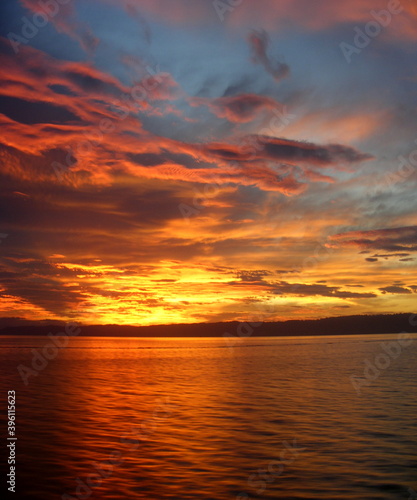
x,y
180,161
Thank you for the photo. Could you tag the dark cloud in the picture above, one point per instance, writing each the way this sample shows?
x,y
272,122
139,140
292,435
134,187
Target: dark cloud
x,y
259,41
257,147
252,276
162,158
395,290
239,108
308,152
388,255
112,210
302,289
39,283
147,159
87,81
61,89
28,112
43,167
244,83
395,239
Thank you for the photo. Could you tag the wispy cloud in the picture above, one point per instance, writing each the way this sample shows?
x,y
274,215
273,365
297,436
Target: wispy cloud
x,y
259,41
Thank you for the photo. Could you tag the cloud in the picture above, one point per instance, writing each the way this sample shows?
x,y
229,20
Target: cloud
x,y
29,113
35,77
395,290
67,102
255,147
241,108
84,79
160,86
259,41
66,21
395,239
306,152
253,276
263,177
280,15
46,291
306,290
107,239
387,256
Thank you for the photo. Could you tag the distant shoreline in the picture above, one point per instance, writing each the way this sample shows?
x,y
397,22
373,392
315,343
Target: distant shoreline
x,y
342,325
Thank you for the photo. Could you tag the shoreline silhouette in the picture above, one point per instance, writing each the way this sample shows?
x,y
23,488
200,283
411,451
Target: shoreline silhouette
x,y
340,325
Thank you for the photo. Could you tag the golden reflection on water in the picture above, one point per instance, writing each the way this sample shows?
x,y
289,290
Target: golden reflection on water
x,y
188,418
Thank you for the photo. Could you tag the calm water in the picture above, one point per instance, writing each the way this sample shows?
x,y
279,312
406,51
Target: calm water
x,y
193,419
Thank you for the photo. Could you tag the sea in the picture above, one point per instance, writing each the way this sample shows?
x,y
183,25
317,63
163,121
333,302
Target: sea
x,y
294,418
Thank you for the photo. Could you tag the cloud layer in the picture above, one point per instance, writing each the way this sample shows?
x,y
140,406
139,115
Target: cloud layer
x,y
159,163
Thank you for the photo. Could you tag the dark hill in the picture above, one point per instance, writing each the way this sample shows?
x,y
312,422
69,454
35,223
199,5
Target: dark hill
x,y
342,325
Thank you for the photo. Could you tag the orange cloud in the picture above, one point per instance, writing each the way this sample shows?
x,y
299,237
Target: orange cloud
x,y
65,20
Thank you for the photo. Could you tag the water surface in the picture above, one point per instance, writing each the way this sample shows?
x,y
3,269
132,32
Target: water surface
x,y
188,418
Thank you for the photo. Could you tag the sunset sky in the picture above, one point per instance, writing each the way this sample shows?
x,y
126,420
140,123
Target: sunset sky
x,y
170,161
